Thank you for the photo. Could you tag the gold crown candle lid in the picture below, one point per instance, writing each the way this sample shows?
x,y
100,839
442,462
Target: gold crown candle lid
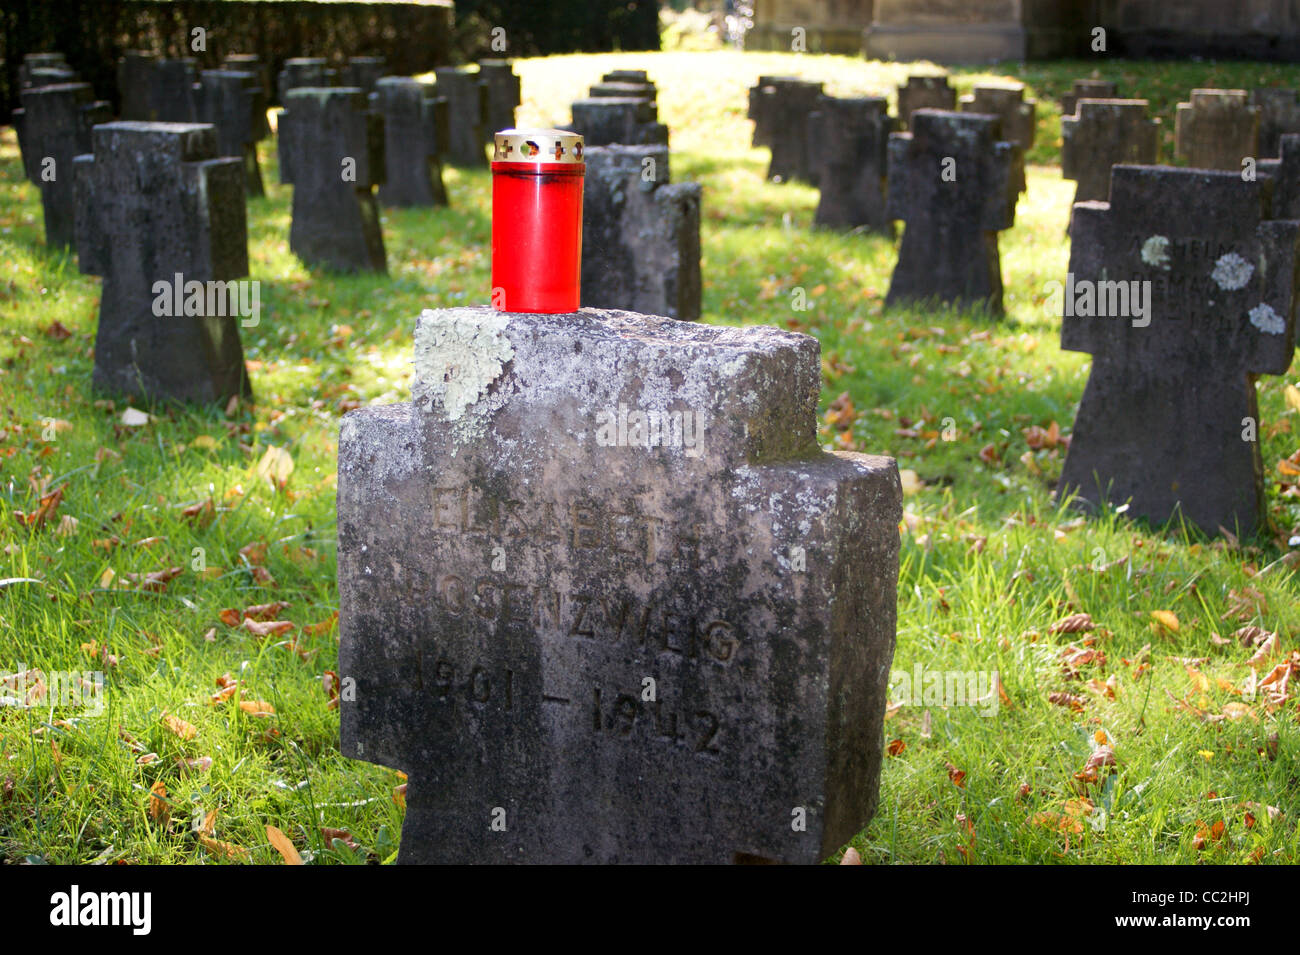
x,y
537,146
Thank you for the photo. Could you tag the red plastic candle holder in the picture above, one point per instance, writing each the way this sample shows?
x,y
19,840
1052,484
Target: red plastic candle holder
x,y
537,177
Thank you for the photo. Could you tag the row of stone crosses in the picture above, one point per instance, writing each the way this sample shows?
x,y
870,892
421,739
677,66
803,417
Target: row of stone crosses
x,y
346,149
871,173
641,242
1169,420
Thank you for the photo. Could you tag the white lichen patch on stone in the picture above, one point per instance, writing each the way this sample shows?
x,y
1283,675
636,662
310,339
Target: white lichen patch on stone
x,y
1266,320
457,358
1155,252
1231,271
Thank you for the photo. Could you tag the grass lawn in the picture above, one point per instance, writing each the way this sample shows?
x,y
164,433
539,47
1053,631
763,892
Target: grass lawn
x,y
1204,760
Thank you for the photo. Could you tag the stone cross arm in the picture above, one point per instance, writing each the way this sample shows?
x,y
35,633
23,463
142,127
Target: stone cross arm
x,y
331,125
951,163
1218,276
126,188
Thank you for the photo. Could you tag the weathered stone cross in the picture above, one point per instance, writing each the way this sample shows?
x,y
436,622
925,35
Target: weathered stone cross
x,y
1168,421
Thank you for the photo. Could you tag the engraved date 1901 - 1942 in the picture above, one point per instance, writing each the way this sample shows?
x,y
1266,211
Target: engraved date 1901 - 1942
x,y
615,714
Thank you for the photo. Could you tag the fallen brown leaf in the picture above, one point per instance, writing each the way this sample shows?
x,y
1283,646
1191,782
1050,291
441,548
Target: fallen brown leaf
x,y
178,726
270,628
224,849
158,807
283,846
265,612
1074,623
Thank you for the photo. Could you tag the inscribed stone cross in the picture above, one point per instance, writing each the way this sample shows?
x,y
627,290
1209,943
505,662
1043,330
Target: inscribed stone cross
x,y
955,182
338,145
159,214
1168,420
589,634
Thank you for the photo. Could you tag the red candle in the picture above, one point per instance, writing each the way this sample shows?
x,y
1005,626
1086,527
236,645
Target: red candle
x,y
537,177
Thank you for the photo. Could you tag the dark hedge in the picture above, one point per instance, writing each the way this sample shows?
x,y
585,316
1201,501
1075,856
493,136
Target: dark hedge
x,y
412,37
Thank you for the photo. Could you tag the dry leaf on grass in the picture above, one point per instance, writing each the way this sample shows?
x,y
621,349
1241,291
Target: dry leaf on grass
x,y
325,626
178,726
254,553
1251,636
155,581
270,628
224,850
1074,623
264,612
44,511
958,776
1267,649
1075,703
1166,620
283,846
275,466
158,807
342,835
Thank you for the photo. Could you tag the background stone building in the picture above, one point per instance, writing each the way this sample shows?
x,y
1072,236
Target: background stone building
x,y
966,31
831,26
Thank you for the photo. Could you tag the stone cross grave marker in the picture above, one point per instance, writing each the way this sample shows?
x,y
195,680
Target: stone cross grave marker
x,y
503,93
155,204
640,234
757,107
924,92
338,145
252,63
1285,173
631,84
785,111
57,121
626,76
625,91
172,92
362,72
235,105
1087,89
1168,420
304,72
1216,130
467,105
134,84
584,642
1101,134
618,120
45,69
416,128
955,183
1008,103
851,137
157,90
1279,114
38,69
